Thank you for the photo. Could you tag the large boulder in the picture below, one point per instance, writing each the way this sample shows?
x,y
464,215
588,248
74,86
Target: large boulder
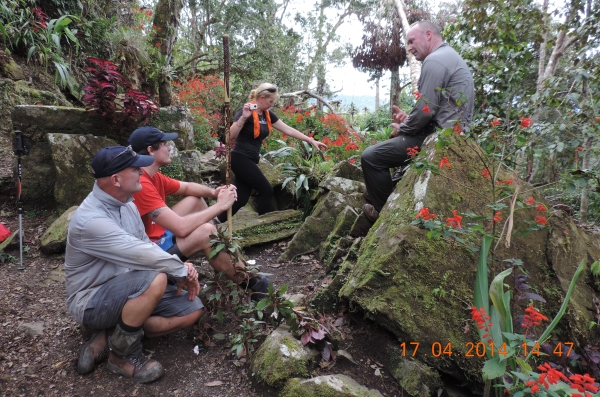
x,y
399,269
36,122
327,386
54,239
273,226
281,357
71,156
200,167
339,194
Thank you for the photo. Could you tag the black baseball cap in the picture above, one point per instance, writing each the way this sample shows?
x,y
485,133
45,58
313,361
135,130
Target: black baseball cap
x,y
143,137
112,159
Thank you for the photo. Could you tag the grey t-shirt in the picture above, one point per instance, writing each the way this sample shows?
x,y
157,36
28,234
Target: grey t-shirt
x,y
445,69
106,238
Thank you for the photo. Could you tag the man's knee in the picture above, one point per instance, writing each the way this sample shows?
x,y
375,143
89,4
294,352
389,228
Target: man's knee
x,y
159,284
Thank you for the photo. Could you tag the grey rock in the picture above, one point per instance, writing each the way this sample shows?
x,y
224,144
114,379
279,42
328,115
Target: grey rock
x,y
259,229
54,239
347,170
327,386
32,329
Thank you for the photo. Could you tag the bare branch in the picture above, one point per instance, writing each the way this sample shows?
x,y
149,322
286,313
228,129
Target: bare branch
x,y
310,94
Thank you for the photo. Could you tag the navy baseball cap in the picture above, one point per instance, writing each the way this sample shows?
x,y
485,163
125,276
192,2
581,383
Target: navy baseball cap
x,y
112,159
143,137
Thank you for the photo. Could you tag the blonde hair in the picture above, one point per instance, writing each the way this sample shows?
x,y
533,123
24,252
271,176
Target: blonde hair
x,y
263,90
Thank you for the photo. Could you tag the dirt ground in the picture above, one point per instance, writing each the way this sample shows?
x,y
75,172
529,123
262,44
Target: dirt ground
x,y
46,364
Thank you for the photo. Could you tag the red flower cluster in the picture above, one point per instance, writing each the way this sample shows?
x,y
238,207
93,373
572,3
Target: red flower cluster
x,y
445,163
412,151
583,383
482,320
138,10
457,128
540,208
424,213
454,221
485,173
525,122
541,220
40,19
426,109
506,182
496,122
530,200
497,217
351,146
335,123
532,317
417,95
551,376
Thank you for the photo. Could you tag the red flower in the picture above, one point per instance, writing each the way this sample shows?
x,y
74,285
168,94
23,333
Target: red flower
x,y
352,161
417,95
579,149
424,213
496,122
525,122
532,317
530,200
426,109
597,118
540,208
351,146
485,173
299,119
412,151
445,163
457,128
454,221
497,217
541,220
506,182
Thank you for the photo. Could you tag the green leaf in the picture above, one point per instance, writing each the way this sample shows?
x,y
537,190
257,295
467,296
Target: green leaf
x,y
480,298
498,298
262,304
493,369
526,368
219,336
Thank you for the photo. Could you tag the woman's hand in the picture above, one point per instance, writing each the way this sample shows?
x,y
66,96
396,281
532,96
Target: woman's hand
x,y
246,112
318,145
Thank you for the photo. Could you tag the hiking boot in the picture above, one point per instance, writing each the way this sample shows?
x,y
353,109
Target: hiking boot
x,y
126,357
259,286
93,352
370,212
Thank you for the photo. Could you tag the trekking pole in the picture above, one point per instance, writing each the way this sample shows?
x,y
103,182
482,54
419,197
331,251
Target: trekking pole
x,y
227,117
21,148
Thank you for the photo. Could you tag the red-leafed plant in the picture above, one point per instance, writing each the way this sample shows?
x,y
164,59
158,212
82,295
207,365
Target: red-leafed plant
x,y
101,94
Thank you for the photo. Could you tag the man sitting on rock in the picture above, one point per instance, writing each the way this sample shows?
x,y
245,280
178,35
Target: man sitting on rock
x,y
118,282
446,97
186,228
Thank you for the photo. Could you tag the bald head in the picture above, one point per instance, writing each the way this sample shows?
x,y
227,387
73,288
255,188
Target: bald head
x,y
422,38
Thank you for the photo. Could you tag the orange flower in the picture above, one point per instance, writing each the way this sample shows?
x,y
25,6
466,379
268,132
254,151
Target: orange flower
x,y
412,151
530,200
497,217
417,95
457,128
426,109
424,213
496,122
525,122
445,163
454,221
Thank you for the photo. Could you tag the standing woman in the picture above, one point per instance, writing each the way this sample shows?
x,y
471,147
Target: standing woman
x,y
251,125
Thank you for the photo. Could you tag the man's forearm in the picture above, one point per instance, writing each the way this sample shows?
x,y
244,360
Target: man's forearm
x,y
196,190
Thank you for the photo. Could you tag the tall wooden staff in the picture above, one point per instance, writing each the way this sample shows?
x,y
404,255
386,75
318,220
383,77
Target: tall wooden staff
x,y
227,118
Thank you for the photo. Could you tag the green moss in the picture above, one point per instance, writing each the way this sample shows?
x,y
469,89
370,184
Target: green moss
x,y
274,368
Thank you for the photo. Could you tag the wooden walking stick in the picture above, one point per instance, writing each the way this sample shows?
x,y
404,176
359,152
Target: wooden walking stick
x,y
227,119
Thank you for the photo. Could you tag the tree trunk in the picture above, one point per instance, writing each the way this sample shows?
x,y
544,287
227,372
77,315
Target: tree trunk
x,y
166,20
394,89
377,94
585,165
415,66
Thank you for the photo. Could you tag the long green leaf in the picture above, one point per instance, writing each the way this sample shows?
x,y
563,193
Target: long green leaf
x,y
563,307
480,298
498,298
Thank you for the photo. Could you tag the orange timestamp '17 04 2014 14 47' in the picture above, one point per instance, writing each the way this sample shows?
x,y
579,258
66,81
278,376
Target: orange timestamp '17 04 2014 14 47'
x,y
479,349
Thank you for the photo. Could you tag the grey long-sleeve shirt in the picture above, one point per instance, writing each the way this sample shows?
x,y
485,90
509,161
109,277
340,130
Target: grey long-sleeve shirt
x,y
106,238
443,68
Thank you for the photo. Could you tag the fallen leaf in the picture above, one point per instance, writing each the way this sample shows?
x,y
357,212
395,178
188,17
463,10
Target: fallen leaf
x,y
304,258
344,353
377,372
214,383
275,265
324,364
58,364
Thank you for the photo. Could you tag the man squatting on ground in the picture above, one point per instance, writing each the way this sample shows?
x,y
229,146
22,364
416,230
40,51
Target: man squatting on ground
x,y
117,278
185,229
442,68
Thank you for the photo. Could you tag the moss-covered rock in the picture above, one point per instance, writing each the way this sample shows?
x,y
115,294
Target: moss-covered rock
x,y
347,170
281,357
200,167
71,156
416,378
318,226
327,386
399,269
175,119
273,226
54,239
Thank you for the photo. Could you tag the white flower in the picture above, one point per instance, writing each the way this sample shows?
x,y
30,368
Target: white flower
x,y
251,262
196,350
